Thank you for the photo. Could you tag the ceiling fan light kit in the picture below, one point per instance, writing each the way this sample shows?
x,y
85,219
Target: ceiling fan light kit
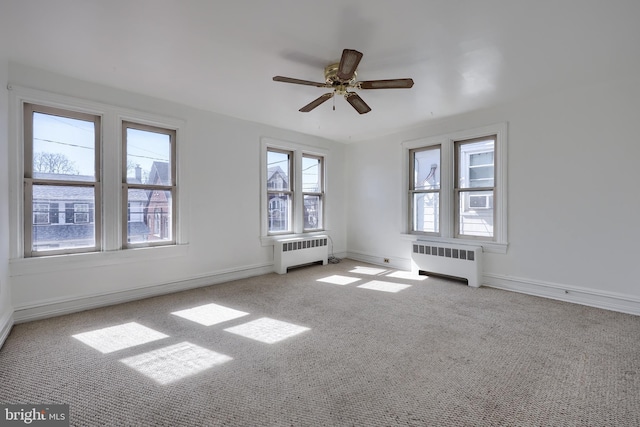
x,y
342,76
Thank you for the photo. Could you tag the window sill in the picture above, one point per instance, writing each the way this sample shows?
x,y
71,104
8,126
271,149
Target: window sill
x,y
489,247
56,263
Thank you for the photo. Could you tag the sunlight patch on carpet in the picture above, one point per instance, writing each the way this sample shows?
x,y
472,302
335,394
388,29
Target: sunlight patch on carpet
x,y
369,271
339,280
267,330
378,285
406,275
175,362
114,338
210,314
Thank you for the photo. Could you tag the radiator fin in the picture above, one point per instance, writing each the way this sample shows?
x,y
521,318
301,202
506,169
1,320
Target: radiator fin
x,y
304,244
299,251
464,254
448,259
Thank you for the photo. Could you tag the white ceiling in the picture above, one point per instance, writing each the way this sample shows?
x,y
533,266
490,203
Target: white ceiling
x,y
221,55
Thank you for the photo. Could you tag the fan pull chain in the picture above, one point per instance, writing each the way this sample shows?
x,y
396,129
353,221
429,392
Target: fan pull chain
x,y
334,103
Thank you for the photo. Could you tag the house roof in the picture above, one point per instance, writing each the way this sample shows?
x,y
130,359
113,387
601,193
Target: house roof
x,y
63,177
272,171
160,173
59,193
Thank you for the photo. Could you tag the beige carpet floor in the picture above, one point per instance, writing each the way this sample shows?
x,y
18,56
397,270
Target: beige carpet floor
x,y
339,345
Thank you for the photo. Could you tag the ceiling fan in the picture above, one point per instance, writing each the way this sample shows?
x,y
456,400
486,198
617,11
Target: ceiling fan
x,y
342,76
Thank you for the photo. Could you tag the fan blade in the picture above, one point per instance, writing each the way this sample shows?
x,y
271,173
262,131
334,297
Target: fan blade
x,y
298,81
387,84
348,64
313,104
357,102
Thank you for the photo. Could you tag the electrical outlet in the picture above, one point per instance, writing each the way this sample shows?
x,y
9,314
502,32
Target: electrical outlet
x,y
386,260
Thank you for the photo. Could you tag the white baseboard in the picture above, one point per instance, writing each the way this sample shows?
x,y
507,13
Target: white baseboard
x,y
6,323
397,263
57,307
573,294
593,298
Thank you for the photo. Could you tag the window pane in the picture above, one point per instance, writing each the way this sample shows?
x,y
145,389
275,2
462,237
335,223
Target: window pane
x,y
476,164
149,216
70,215
311,175
312,212
278,167
481,176
426,169
426,212
476,213
137,228
480,159
63,148
148,157
279,211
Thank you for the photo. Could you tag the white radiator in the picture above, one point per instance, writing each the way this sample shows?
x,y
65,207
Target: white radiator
x,y
450,260
298,251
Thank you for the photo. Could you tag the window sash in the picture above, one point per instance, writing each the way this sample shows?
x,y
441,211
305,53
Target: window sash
x,y
448,202
277,221
156,220
28,110
413,192
469,187
314,222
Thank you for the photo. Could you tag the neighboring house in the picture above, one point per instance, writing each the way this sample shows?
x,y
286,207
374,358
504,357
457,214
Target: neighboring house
x,y
158,212
137,229
62,214
65,215
277,180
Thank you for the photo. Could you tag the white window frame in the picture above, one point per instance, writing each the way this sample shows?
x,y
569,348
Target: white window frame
x,y
413,191
447,234
280,190
319,193
111,250
466,191
297,214
28,109
170,187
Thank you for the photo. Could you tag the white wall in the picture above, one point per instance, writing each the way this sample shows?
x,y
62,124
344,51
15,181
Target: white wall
x,y
221,176
6,310
573,194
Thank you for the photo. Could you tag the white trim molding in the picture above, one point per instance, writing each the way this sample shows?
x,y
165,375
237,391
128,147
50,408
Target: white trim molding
x,y
59,306
446,142
112,117
573,294
395,263
298,150
6,323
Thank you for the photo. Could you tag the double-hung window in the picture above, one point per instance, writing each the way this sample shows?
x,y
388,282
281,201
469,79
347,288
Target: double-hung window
x,y
424,189
279,190
83,195
62,186
457,187
475,187
312,191
294,189
149,185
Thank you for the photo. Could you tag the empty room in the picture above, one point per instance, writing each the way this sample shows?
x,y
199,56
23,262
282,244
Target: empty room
x,y
338,213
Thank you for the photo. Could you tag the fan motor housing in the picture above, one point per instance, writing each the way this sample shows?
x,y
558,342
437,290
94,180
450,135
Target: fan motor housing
x,y
331,76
